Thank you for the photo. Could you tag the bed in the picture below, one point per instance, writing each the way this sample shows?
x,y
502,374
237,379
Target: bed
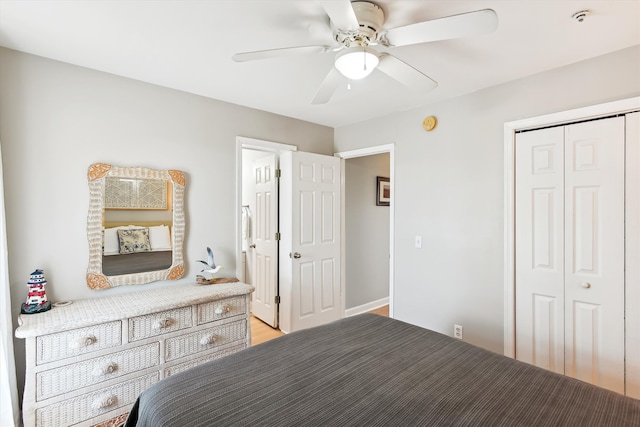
x,y
152,252
369,370
139,262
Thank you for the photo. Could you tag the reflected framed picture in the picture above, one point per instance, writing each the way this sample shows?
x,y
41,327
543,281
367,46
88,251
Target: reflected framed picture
x,y
383,191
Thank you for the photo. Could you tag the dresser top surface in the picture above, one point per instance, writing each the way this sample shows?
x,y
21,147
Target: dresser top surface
x,y
94,311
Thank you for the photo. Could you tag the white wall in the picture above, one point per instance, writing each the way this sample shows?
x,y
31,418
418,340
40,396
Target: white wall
x,y
449,189
56,119
367,232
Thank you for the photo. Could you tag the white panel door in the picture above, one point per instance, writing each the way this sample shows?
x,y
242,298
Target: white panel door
x,y
539,193
265,245
632,252
594,252
310,269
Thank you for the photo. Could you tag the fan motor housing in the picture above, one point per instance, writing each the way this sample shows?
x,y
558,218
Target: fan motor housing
x,y
370,17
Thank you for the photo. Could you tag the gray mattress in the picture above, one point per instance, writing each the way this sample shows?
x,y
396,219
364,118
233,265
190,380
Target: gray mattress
x,y
115,265
369,370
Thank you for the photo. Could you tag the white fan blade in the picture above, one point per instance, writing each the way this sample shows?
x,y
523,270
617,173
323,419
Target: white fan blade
x,y
327,87
405,73
451,27
341,14
277,53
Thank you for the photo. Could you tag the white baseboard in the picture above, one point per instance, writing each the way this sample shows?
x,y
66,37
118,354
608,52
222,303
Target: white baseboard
x,y
366,307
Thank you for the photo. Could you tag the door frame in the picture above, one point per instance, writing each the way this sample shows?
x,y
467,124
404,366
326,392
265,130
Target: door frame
x,y
510,129
362,152
258,145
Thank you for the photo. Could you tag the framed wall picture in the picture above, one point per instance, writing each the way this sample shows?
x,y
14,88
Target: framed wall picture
x,y
383,191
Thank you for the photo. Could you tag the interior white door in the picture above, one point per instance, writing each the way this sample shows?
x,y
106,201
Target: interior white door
x,y
265,244
310,264
539,193
594,252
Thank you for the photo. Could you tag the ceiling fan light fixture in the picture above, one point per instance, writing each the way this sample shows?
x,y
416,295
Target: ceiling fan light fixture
x,y
357,63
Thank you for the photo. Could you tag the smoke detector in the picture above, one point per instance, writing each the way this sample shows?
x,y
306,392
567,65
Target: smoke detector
x,y
580,15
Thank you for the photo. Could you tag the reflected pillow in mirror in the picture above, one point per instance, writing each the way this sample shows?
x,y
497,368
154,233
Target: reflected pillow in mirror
x,y
134,240
160,238
110,242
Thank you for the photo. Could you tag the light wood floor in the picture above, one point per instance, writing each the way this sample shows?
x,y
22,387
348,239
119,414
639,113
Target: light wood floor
x,y
382,311
261,332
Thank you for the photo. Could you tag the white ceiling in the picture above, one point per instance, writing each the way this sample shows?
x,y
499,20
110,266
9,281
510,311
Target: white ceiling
x,y
187,45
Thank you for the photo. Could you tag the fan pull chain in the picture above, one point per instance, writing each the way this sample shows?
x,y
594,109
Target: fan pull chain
x,y
364,55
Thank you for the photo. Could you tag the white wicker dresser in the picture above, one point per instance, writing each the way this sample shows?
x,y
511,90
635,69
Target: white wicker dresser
x,y
86,363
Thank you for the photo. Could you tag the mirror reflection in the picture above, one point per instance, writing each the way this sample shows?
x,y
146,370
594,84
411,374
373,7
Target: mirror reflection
x,y
136,225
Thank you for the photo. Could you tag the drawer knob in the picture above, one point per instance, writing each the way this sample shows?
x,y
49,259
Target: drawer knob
x,y
107,368
208,339
161,323
84,341
105,401
222,309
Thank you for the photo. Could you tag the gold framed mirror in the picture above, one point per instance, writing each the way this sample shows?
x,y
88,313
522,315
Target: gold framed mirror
x,y
135,225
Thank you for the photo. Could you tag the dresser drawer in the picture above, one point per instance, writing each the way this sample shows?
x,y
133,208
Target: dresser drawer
x,y
150,325
199,361
205,339
216,310
75,342
93,404
93,371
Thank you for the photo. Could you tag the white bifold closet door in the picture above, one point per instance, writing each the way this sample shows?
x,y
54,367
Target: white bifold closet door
x,y
570,212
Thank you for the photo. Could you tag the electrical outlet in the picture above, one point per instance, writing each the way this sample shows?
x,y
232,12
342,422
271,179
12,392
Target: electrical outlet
x,y
457,331
418,242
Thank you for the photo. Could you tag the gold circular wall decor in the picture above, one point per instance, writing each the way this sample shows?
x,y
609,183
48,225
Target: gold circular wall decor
x,y
429,123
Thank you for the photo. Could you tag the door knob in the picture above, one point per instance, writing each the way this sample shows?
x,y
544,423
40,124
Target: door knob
x,y
585,285
252,246
296,255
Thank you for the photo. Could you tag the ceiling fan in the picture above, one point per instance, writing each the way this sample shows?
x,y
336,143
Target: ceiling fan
x,y
358,25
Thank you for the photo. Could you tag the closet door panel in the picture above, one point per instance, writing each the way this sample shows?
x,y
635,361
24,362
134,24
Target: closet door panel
x,y
539,256
594,252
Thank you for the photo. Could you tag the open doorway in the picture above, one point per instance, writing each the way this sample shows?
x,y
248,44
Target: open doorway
x,y
257,223
372,300
367,230
295,244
